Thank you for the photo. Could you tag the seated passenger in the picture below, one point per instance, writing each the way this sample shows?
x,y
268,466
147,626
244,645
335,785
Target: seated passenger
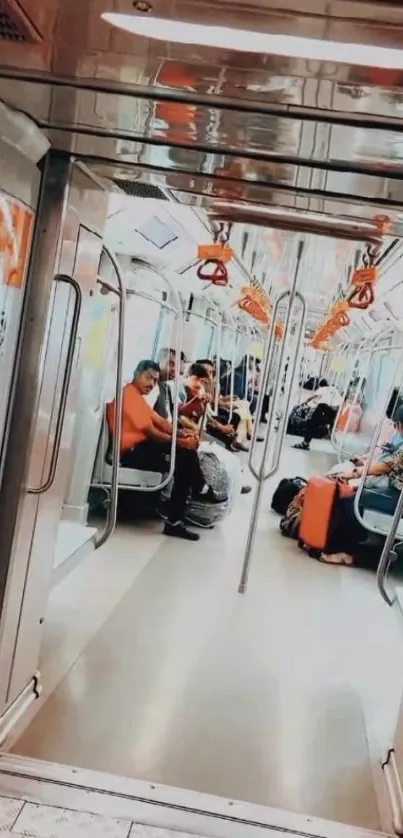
x,y
146,445
326,402
232,430
221,430
197,397
241,408
163,397
350,537
395,442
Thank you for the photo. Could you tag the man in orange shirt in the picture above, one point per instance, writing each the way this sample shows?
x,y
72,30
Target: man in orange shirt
x,y
146,445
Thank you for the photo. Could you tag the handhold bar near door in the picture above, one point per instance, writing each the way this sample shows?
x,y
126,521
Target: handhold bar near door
x,y
395,791
371,452
388,553
74,285
108,530
366,466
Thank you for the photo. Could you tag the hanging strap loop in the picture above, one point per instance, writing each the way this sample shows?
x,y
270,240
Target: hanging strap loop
x,y
363,281
213,270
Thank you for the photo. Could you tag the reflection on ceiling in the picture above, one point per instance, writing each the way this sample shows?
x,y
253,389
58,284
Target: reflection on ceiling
x,y
192,124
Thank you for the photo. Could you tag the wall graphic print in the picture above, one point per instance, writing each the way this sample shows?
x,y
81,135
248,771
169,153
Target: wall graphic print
x,y
16,224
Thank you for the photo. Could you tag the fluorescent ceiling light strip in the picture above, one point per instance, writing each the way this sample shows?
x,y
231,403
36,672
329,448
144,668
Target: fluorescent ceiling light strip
x,y
243,40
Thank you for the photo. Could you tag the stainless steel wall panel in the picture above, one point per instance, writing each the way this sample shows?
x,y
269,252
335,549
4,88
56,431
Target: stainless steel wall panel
x,y
33,539
39,288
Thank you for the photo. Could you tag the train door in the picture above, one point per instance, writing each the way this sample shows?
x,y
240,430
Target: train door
x,y
63,275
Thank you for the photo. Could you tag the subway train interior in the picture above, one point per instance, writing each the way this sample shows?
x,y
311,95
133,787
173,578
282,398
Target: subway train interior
x,y
214,189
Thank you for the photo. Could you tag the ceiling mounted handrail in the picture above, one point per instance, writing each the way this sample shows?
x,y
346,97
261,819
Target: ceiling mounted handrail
x,y
224,103
302,222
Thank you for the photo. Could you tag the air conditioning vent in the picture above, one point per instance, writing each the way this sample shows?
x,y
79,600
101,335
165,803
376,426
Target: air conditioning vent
x,y
137,189
15,26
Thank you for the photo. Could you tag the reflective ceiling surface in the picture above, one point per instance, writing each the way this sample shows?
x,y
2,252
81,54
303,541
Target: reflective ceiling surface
x,y
299,133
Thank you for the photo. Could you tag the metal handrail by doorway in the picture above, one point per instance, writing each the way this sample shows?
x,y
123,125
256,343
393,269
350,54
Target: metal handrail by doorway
x,y
387,552
48,482
101,537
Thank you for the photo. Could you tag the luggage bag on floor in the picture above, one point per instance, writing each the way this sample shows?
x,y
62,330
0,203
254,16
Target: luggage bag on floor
x,y
298,419
222,471
286,491
318,513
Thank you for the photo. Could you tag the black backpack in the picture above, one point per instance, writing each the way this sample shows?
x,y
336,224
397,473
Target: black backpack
x,y
286,491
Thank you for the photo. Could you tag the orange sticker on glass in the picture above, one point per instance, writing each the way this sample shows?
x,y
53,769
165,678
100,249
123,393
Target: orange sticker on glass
x,y
15,236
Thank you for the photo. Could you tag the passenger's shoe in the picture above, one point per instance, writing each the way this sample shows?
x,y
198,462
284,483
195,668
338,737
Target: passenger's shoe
x,y
180,531
239,446
210,497
246,490
198,524
302,446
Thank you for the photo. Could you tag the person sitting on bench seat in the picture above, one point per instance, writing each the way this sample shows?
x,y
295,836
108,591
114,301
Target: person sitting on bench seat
x,y
326,402
351,538
146,445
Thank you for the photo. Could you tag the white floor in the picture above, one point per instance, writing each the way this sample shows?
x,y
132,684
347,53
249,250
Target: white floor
x,y
286,696
19,818
71,537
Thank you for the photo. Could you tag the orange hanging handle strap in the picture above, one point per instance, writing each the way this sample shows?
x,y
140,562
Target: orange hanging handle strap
x,y
214,271
363,282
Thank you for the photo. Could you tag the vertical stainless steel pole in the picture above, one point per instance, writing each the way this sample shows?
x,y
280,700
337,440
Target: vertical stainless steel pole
x,y
260,475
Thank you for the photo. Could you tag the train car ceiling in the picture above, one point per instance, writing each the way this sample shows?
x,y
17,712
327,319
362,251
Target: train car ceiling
x,y
154,144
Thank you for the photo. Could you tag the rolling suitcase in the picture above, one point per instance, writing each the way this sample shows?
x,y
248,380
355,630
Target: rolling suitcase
x,y
318,513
